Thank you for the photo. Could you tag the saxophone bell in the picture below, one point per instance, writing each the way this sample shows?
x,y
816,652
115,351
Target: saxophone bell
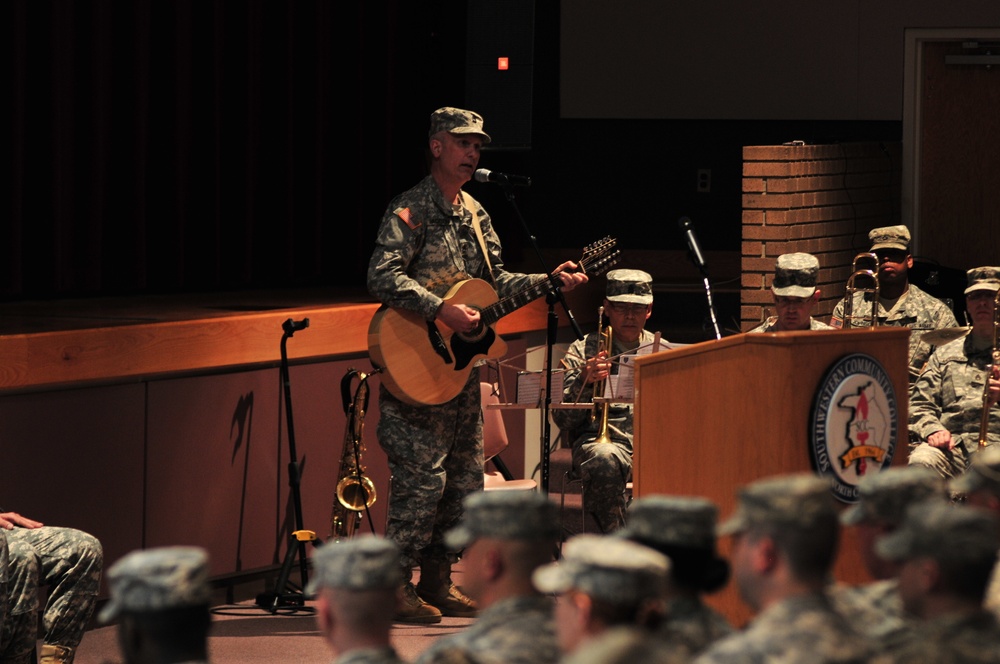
x,y
355,492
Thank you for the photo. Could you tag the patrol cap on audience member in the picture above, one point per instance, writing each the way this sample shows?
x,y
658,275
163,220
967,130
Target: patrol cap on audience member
x,y
629,286
795,500
983,278
682,521
795,275
505,515
610,569
883,497
983,473
890,237
943,530
157,579
457,121
364,562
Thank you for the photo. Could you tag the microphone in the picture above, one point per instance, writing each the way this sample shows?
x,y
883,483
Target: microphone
x,y
486,175
692,241
291,326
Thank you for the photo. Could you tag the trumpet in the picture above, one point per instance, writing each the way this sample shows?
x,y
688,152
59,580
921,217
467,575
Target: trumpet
x,y
862,273
599,413
984,420
355,492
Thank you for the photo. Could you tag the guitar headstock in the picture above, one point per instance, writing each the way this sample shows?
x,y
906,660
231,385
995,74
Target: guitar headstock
x,y
599,256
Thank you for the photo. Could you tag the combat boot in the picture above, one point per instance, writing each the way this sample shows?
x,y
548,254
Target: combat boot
x,y
410,608
53,654
436,588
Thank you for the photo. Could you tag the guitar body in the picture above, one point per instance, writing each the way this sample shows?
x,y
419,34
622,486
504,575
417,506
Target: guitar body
x,y
427,363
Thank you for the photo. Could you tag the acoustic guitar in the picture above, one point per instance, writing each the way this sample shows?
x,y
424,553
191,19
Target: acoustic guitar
x,y
425,362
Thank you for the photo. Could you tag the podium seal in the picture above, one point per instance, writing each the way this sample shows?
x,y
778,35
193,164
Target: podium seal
x,y
853,423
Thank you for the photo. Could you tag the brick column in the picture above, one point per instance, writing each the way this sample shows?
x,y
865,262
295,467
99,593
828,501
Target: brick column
x,y
820,199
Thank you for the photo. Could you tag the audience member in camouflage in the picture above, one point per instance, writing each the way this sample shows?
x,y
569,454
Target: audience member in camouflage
x,y
603,582
901,304
980,487
626,645
683,529
68,563
795,295
426,244
946,402
947,553
355,584
504,537
876,608
785,534
605,468
160,598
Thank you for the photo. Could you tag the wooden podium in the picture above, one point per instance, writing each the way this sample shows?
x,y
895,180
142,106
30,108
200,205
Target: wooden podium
x,y
713,416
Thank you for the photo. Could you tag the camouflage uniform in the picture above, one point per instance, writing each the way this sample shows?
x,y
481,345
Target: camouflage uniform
x,y
771,325
795,624
154,585
68,563
876,608
962,538
984,476
604,469
915,309
804,628
628,645
363,563
425,245
683,529
514,628
948,395
795,275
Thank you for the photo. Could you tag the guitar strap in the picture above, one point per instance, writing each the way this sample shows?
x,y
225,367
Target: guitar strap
x,y
468,202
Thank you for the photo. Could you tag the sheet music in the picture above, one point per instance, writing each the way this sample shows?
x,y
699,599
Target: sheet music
x,y
530,385
621,386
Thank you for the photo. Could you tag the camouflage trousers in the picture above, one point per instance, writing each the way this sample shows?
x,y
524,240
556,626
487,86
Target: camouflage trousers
x,y
948,463
68,563
435,459
604,468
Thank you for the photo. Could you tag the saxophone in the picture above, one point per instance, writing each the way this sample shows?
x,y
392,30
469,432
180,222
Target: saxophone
x,y
355,492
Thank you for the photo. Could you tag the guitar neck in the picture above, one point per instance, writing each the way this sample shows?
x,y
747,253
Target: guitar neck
x,y
512,303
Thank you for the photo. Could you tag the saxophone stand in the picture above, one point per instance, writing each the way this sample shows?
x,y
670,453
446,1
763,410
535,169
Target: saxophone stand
x,y
280,600
555,295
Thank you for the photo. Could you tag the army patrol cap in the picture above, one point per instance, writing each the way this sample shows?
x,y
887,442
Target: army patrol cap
x,y
156,580
796,500
611,569
505,515
983,278
629,286
457,121
682,521
943,530
795,275
365,562
890,237
884,497
983,473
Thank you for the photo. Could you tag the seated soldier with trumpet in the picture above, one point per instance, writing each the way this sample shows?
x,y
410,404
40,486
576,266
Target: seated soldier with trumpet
x,y
900,303
602,436
952,403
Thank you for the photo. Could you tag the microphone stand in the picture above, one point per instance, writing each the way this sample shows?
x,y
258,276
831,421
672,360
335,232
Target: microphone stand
x,y
279,600
711,305
555,295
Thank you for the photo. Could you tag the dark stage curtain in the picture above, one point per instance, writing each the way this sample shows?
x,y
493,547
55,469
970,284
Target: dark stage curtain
x,y
164,146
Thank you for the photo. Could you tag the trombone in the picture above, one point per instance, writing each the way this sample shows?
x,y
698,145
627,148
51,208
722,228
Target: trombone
x,y
870,277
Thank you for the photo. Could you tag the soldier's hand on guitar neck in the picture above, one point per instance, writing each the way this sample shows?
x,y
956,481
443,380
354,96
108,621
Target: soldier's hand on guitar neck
x,y
570,280
459,317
